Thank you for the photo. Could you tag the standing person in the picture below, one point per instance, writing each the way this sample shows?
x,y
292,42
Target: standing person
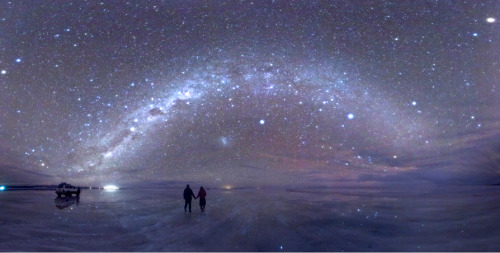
x,y
188,193
203,202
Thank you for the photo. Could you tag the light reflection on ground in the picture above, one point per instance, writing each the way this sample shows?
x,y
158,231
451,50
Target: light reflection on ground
x,y
306,219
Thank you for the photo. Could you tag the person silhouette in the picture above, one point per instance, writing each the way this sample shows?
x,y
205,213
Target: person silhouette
x,y
188,193
202,194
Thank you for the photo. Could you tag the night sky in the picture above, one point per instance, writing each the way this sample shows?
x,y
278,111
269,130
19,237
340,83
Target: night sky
x,y
250,93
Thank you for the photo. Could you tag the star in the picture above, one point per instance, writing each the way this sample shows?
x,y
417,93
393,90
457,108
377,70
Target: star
x,y
198,81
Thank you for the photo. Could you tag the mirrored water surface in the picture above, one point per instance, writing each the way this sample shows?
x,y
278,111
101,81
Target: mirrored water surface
x,y
306,219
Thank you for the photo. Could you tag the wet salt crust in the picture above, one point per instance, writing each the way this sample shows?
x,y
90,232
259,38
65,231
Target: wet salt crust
x,y
301,219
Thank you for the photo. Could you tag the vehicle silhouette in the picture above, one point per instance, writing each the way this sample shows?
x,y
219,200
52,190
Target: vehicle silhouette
x,y
67,190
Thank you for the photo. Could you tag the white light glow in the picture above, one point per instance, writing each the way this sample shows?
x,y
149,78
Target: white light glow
x,y
224,141
111,187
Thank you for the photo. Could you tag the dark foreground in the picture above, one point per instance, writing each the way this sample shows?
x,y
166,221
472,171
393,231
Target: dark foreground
x,y
305,219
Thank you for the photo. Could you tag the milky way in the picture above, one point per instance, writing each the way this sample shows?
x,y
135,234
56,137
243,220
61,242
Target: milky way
x,y
246,93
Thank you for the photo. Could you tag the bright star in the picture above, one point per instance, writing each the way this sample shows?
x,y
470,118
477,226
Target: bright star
x,y
3,72
2,188
132,129
491,20
350,116
18,60
262,122
414,103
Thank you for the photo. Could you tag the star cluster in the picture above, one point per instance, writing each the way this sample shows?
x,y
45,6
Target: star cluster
x,y
246,92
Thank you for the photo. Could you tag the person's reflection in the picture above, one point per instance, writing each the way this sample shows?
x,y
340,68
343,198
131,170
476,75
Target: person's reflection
x,y
64,202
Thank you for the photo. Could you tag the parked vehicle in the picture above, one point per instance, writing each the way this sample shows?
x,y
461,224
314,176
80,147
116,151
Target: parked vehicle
x,y
67,190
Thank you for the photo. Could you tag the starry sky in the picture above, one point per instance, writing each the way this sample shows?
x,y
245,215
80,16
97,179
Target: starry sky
x,y
250,93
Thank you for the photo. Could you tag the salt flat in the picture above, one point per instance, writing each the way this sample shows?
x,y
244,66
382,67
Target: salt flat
x,y
459,218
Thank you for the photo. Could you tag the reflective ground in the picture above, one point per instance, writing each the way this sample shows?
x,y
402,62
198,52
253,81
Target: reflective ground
x,y
305,219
